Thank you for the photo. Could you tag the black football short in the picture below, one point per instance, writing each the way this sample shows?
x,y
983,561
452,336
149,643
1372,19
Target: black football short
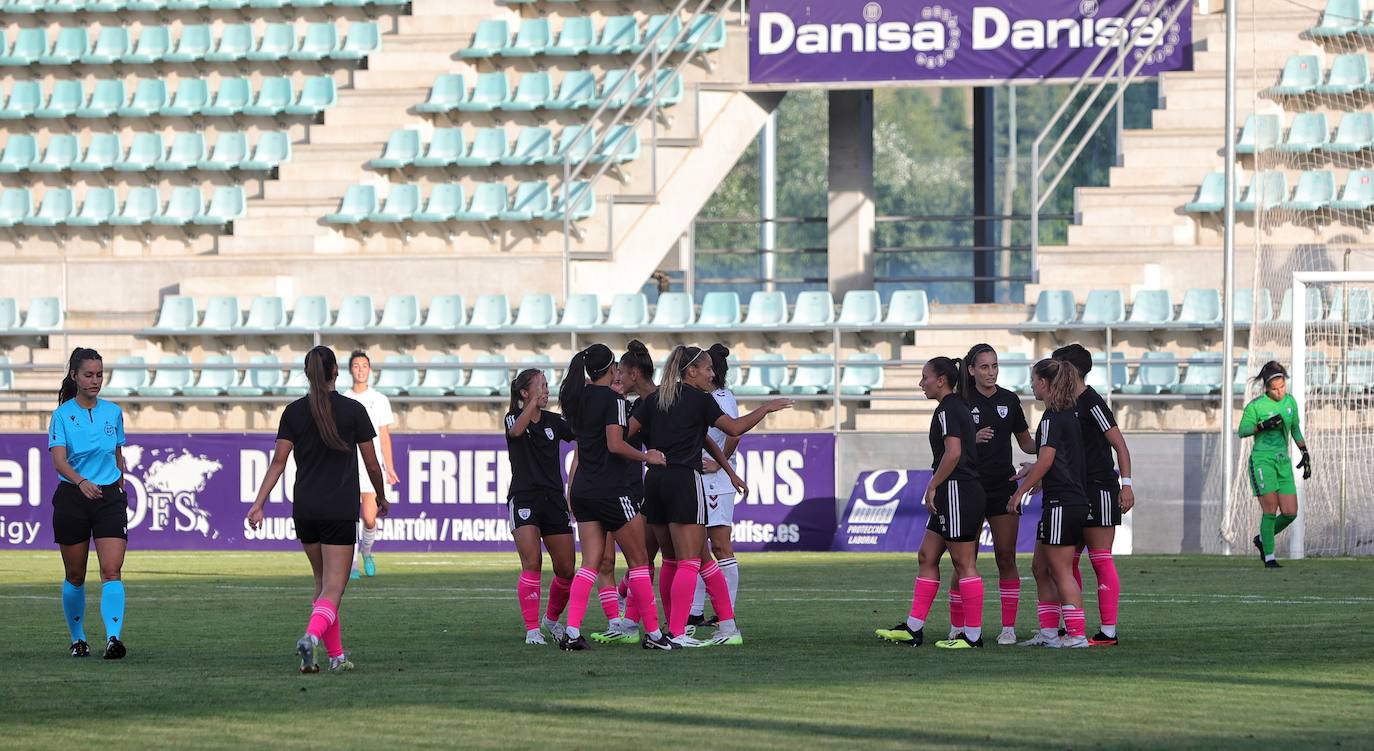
x,y
1062,525
959,508
1105,503
545,509
998,495
610,512
77,519
327,531
674,495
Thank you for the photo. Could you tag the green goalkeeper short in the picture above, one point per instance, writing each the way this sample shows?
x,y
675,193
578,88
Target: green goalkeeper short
x,y
1272,473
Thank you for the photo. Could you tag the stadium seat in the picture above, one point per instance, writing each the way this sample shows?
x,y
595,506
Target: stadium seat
x,y
1261,133
532,93
444,202
660,33
320,40
766,309
21,150
310,314
448,91
62,101
1251,307
574,146
1300,76
617,86
230,152
489,147
152,46
620,146
396,379
259,381
532,39
1309,132
581,311
445,313
141,204
54,209
1054,307
1315,309
1352,307
490,93
490,312
296,383
581,199
628,310
58,155
192,46
1318,373
232,96
1154,377
1348,74
363,38
128,376
266,313
532,200
860,375
763,378
170,377
537,311
150,97
907,308
1104,307
213,381
619,36
402,202
812,309
861,308
810,379
439,381
274,96
706,28
445,147
145,152
1201,307
493,35
101,153
1203,376
1267,191
106,99
9,314
276,43
1151,307
358,203
576,91
234,43
227,204
183,206
1013,373
1358,194
574,38
356,313
68,47
188,150
24,99
1107,379
668,88
177,316
97,206
1340,18
674,310
1316,190
485,381
191,97
720,309
29,45
317,94
532,146
16,205
1359,370
488,200
6,374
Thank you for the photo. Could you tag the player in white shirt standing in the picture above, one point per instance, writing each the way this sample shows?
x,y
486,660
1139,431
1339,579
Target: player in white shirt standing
x,y
720,494
379,410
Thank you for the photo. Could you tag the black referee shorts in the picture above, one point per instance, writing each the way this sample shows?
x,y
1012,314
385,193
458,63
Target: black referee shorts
x,y
77,519
545,509
959,508
611,513
1104,505
1062,525
326,531
674,495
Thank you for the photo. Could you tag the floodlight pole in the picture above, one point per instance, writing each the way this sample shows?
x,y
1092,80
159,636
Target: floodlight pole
x,y
1228,278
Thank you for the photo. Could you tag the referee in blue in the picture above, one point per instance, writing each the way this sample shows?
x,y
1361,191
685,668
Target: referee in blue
x,y
85,439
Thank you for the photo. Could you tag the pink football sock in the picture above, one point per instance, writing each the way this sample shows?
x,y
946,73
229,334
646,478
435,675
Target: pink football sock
x,y
610,602
1049,614
623,587
558,597
1108,585
971,591
718,590
333,639
323,614
1010,590
1074,621
667,573
642,591
923,594
956,606
578,595
527,590
1078,575
684,585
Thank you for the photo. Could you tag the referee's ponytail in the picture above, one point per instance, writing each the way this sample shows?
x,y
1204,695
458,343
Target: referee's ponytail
x,y
589,364
321,368
79,355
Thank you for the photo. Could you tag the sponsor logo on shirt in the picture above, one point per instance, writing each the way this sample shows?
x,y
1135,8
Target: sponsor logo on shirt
x,y
976,416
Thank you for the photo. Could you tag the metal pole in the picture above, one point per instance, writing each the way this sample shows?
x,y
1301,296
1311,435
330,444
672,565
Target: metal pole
x,y
1009,187
1345,396
1298,376
1228,279
768,201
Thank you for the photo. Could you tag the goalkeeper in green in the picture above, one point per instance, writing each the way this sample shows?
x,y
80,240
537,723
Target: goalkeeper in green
x,y
1271,418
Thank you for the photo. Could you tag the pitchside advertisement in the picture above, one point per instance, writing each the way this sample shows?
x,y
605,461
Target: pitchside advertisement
x,y
857,41
191,492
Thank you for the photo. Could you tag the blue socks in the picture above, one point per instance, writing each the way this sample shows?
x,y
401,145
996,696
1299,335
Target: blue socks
x,y
112,607
74,607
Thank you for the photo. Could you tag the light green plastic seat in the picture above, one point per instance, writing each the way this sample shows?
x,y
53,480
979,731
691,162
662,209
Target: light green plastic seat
x,y
622,145
363,39
193,44
628,310
259,381
1154,377
16,205
273,148
1300,76
213,381
227,204
1352,307
617,86
69,46
720,309
1340,18
170,378
150,96
106,98
445,313
575,37
815,376
274,95
358,203
97,206
401,149
861,307
54,209
317,94
21,150
63,100
400,312
1355,133
188,150
141,204
319,41
763,379
230,98
29,45
24,99
296,383
1104,307
488,201
191,97
1358,194
619,36
401,204
1200,307
356,313
907,308
1211,195
490,92
9,314
537,311
144,153
266,313
45,314
706,28
1267,191
493,35
1261,133
184,205
177,316
490,312
574,145
1054,307
59,154
276,43
1359,370
531,201
99,155
1309,132
234,43
532,39
230,152
6,374
439,381
448,90
813,308
860,376
532,146
445,147
581,311
485,381
532,93
1104,378
1316,190
766,309
673,311
668,87
444,202
1151,307
1252,307
1013,372
489,147
669,25
152,46
1320,373
577,90
128,376
395,378
1348,74
581,199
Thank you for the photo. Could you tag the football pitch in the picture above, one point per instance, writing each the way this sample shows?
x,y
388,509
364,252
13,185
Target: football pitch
x,y
1216,653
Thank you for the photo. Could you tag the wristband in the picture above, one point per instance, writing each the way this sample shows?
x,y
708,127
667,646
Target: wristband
x,y
1125,482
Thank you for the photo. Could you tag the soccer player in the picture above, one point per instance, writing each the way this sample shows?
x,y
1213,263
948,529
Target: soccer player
x,y
599,501
1110,494
379,411
1271,418
85,440
1059,471
675,419
538,508
998,417
328,432
956,504
720,494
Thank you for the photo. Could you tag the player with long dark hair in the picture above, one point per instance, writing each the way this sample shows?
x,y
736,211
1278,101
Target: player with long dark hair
x,y
598,494
956,504
379,412
720,493
85,441
1110,494
675,420
328,433
1059,472
538,507
1272,417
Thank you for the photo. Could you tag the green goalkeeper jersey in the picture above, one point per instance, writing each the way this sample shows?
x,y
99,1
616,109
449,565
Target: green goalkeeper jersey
x,y
1271,442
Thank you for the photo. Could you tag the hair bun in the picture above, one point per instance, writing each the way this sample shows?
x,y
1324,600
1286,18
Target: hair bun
x,y
636,347
719,350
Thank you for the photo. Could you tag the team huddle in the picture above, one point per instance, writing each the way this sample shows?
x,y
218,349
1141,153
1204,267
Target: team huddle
x,y
640,480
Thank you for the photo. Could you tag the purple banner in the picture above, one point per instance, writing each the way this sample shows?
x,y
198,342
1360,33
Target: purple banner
x,y
886,514
856,41
191,492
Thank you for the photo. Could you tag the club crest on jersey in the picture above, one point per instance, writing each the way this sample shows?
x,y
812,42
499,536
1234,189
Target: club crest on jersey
x,y
1002,411
549,433
109,429
524,514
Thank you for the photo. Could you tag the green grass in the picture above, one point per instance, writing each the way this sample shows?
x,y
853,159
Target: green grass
x,y
1216,653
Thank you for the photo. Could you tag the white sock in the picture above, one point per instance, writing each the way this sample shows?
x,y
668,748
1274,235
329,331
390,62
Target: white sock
x,y
915,624
1269,557
314,640
532,632
366,539
1050,633
1109,630
699,598
728,626
973,633
573,632
953,632
656,634
730,568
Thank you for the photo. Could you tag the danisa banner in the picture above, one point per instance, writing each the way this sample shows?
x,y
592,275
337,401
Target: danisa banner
x,y
886,514
853,41
191,492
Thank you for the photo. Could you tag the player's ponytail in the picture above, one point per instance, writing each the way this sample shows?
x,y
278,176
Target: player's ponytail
x,y
949,369
321,368
678,362
1062,383
1269,371
587,365
965,386
720,364
79,356
637,358
521,382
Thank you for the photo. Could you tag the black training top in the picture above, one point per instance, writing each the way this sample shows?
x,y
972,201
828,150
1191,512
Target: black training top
x,y
680,433
1063,484
600,474
952,420
1002,412
533,454
326,479
1095,418
634,471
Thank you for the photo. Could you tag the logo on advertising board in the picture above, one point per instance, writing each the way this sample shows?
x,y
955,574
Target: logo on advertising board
x,y
165,487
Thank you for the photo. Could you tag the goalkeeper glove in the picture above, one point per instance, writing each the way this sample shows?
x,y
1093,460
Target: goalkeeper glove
x,y
1269,423
1305,465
